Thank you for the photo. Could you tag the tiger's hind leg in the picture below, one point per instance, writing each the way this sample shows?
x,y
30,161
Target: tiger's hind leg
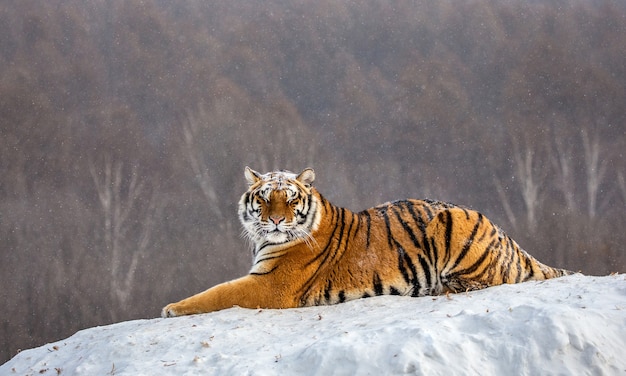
x,y
456,284
472,253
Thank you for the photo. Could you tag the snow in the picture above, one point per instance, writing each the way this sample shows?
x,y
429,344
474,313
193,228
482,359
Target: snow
x,y
569,325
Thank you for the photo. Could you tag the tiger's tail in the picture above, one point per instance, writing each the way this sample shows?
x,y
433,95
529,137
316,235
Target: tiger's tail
x,y
549,272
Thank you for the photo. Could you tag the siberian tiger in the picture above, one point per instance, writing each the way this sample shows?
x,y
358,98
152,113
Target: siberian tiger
x,y
309,252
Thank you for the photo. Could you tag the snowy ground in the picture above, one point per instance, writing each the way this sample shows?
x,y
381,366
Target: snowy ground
x,y
572,325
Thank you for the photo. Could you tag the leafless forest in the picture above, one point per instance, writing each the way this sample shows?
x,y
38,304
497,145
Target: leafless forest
x,y
125,127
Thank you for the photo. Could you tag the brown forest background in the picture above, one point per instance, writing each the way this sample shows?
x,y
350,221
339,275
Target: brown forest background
x,y
125,127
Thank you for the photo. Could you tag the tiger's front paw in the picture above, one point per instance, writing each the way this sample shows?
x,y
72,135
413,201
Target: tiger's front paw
x,y
169,311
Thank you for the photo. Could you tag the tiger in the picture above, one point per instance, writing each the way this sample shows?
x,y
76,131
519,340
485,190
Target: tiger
x,y
308,252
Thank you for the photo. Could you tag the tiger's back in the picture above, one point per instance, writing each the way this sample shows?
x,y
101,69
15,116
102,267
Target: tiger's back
x,y
308,251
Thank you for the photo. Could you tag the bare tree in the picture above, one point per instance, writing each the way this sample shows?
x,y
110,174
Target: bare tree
x,y
504,198
529,177
561,159
117,203
191,131
530,180
622,185
595,169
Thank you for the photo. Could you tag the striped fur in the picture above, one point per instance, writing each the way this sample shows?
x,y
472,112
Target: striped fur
x,y
309,252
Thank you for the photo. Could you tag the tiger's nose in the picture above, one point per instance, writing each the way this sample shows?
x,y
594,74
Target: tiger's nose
x,y
277,218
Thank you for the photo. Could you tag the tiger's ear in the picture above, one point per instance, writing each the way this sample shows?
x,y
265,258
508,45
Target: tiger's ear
x,y
251,175
306,177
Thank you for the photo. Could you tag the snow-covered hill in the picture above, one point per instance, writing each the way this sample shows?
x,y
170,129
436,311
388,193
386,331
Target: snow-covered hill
x,y
572,325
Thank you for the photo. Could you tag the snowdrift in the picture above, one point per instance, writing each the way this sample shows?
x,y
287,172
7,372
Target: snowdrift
x,y
570,325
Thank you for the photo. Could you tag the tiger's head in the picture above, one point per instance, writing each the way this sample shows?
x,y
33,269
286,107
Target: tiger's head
x,y
278,207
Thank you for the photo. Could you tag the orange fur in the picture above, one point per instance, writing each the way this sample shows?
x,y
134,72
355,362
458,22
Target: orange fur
x,y
310,252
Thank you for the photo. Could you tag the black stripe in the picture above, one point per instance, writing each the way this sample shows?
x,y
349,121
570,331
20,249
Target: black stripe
x,y
429,212
531,274
407,229
342,220
342,296
306,208
518,277
416,217
383,213
474,266
506,270
488,268
329,287
401,267
515,260
448,235
468,242
268,258
406,265
467,215
266,244
415,280
426,268
378,286
345,247
267,272
356,218
431,244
